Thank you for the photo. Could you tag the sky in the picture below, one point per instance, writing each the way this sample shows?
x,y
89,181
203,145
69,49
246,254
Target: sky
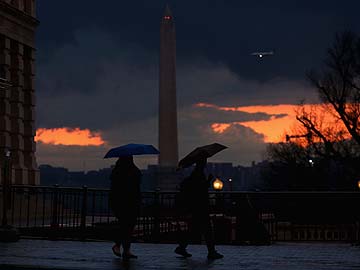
x,y
97,74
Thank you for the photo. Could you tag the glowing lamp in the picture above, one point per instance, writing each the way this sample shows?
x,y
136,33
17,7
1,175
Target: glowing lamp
x,y
359,184
218,184
167,17
311,162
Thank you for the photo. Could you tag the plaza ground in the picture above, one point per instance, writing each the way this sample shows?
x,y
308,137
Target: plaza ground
x,y
45,254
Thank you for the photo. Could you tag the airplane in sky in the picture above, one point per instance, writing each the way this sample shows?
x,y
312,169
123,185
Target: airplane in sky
x,y
263,54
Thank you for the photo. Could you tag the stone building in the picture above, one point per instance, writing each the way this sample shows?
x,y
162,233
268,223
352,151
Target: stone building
x,y
17,92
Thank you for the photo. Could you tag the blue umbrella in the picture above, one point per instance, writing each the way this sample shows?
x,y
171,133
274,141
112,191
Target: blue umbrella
x,y
132,149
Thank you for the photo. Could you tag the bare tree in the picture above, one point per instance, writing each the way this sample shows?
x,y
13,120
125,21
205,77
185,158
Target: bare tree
x,y
334,144
338,85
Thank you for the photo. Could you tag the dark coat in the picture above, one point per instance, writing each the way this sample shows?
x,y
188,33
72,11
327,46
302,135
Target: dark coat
x,y
193,197
125,195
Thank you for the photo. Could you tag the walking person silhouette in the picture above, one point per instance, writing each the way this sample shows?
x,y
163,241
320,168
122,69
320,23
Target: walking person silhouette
x,y
195,203
125,201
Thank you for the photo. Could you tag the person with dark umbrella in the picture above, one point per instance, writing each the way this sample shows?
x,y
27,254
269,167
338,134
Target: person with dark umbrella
x,y
197,205
125,200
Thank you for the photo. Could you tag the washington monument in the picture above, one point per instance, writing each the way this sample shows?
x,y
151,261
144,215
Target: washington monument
x,y
168,138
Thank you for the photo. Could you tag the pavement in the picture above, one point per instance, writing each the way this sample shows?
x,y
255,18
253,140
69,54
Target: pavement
x,y
75,255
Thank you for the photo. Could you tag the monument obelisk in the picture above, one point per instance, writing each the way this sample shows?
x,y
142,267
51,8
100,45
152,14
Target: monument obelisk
x,y
167,177
168,137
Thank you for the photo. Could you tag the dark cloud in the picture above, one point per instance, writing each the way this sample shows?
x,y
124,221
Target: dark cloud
x,y
220,31
116,94
213,115
216,83
72,157
244,145
100,85
98,68
96,83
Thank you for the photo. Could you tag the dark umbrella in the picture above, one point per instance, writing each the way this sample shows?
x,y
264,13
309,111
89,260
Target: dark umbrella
x,y
132,149
201,152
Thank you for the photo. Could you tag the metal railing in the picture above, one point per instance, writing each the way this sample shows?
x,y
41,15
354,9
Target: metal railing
x,y
237,217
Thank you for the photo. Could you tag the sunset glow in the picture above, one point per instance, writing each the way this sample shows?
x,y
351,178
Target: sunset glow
x,y
220,128
68,136
282,119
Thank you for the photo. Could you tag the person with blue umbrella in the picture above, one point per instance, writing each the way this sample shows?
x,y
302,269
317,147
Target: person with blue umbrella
x,y
125,195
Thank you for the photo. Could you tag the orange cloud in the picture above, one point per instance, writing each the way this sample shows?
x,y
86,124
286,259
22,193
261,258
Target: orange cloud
x,y
220,127
274,128
68,136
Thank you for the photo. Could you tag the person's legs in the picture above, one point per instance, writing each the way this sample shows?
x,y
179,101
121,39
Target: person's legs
x,y
126,241
205,223
116,250
183,240
118,240
208,233
196,230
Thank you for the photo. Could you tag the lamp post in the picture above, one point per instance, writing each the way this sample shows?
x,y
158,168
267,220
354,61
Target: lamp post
x,y
218,186
230,184
311,162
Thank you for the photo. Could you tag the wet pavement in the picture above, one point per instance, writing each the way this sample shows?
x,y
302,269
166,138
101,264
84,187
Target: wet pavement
x,y
44,254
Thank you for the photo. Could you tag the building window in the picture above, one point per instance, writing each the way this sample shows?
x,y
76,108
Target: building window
x,y
15,3
27,6
2,57
2,71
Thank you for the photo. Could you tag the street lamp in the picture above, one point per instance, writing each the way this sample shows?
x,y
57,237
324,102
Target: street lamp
x,y
218,184
311,162
230,183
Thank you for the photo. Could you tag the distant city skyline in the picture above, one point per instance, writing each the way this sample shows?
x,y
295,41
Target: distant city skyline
x,y
98,76
234,178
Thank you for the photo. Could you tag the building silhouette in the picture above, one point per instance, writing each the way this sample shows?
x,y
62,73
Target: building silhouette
x,y
17,96
242,178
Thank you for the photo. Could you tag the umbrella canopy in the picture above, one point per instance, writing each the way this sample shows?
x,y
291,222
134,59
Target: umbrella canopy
x,y
201,152
132,149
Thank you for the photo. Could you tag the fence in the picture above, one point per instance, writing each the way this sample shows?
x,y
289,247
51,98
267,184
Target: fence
x,y
237,217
